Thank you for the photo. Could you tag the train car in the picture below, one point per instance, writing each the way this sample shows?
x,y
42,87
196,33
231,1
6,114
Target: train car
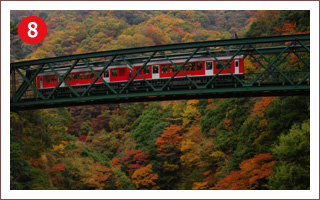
x,y
154,70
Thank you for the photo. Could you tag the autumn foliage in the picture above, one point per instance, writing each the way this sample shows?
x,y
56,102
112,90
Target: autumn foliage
x,y
144,178
170,138
220,143
133,160
251,174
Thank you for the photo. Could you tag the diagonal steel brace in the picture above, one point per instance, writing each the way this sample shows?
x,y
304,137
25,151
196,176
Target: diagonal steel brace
x,y
139,70
98,76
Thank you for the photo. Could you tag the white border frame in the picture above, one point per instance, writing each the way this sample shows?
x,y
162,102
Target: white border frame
x,y
6,6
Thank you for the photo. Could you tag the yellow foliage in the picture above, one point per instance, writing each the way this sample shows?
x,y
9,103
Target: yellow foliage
x,y
249,66
60,148
170,167
190,114
186,145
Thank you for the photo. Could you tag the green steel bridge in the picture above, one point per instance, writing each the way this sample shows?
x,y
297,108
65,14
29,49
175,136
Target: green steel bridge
x,y
279,66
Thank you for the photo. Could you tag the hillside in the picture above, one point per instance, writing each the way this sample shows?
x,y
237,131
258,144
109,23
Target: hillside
x,y
211,144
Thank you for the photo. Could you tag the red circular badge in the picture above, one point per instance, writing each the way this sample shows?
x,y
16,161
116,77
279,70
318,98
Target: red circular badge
x,y
32,30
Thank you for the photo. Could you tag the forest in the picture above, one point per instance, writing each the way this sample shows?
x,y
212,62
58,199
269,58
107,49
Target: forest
x,y
248,143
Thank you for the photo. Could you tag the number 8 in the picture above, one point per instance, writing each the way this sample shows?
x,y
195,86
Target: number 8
x,y
32,29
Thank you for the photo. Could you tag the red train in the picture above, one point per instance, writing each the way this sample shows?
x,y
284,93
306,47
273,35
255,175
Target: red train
x,y
154,70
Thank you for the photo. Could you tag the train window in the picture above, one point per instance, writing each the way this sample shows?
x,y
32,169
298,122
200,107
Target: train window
x,y
75,76
177,66
155,69
164,68
229,65
114,72
219,65
86,75
237,63
69,77
185,67
192,66
92,75
172,68
53,79
146,70
80,76
106,74
199,65
130,73
209,65
47,79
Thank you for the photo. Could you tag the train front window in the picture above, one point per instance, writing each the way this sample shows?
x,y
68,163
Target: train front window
x,y
209,65
164,68
199,66
114,72
47,79
146,70
53,79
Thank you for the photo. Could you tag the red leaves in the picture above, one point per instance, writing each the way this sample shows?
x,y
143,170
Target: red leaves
x,y
251,172
82,138
171,137
59,167
134,159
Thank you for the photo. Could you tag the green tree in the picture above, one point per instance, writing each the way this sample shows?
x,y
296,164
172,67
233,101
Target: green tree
x,y
147,128
293,153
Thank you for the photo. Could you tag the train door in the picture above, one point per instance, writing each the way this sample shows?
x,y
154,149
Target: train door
x,y
209,67
41,82
236,66
106,75
155,71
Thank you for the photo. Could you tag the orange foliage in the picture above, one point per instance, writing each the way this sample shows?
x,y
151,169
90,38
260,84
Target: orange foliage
x,y
100,174
144,178
200,186
251,172
171,136
189,146
286,28
227,124
116,162
259,107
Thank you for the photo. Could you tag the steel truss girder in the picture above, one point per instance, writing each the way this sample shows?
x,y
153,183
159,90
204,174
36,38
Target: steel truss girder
x,y
169,95
247,47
